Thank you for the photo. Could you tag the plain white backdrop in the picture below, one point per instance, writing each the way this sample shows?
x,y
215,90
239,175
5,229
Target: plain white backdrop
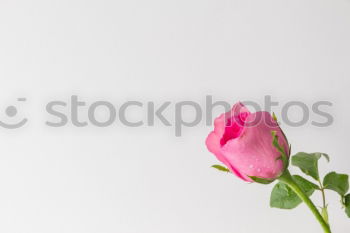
x,y
140,180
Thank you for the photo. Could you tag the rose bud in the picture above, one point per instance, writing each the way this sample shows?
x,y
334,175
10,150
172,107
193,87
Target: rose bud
x,y
251,145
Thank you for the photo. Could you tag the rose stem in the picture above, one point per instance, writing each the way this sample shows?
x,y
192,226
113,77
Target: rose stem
x,y
288,180
324,208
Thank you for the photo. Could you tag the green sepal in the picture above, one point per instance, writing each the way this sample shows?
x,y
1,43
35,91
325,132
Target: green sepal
x,y
290,148
274,117
284,156
220,168
261,180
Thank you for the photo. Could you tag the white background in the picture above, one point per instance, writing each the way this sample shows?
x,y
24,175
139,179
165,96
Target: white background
x,y
138,180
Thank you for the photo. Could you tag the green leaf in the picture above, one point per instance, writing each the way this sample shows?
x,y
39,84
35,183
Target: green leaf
x,y
337,182
308,163
220,168
326,156
304,184
347,205
283,197
347,200
261,180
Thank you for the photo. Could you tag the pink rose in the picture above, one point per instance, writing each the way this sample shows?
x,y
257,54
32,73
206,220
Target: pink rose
x,y
243,141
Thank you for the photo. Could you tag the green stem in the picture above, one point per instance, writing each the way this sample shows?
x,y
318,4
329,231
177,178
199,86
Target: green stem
x,y
323,194
324,208
288,180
